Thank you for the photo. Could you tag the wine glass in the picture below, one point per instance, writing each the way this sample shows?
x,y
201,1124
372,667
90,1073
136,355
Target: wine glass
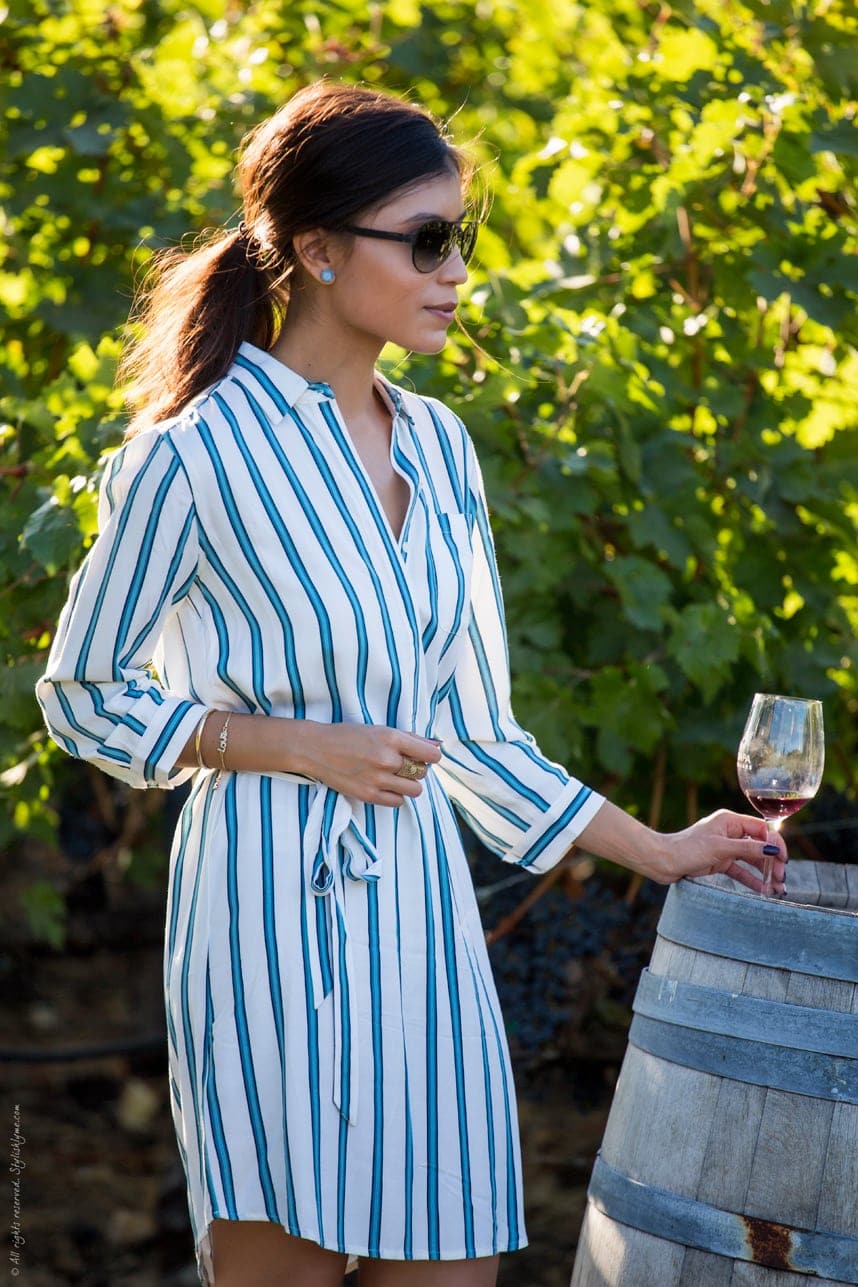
x,y
780,759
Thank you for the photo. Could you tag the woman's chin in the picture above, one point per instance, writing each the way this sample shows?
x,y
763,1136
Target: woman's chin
x,y
431,343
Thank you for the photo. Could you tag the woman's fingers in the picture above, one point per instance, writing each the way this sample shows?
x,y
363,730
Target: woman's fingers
x,y
732,844
413,756
367,761
736,826
749,850
745,871
759,855
745,877
389,799
399,787
744,847
424,750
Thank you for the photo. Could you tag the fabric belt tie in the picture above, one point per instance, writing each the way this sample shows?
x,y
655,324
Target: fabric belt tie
x,y
334,848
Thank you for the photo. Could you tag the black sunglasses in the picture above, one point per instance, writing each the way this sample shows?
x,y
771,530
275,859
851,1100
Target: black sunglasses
x,y
431,244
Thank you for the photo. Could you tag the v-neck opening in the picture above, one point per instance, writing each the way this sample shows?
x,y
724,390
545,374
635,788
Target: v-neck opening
x,y
294,386
400,540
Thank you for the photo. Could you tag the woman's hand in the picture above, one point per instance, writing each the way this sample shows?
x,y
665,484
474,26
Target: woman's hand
x,y
363,760
720,843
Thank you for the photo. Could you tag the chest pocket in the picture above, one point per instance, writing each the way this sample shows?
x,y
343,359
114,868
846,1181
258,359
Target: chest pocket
x,y
447,569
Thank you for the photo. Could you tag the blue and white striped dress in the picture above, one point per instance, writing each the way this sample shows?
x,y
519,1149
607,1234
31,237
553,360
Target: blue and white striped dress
x,y
337,1055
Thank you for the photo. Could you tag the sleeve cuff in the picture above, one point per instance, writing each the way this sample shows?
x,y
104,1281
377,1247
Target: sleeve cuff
x,y
164,772
544,844
153,760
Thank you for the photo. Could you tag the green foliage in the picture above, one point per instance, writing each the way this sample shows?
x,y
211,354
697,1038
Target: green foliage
x,y
664,309
44,907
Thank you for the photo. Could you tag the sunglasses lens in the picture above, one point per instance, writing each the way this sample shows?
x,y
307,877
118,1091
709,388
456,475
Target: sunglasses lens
x,y
432,246
435,241
467,239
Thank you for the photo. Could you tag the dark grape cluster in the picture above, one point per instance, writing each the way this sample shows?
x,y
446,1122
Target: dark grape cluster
x,y
533,964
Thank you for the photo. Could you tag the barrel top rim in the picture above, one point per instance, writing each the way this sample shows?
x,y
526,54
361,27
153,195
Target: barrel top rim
x,y
788,900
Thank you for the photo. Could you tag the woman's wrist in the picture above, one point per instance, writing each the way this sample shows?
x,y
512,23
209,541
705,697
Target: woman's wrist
x,y
654,858
647,853
301,747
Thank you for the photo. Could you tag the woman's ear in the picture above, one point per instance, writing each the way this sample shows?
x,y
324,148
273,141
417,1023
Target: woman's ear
x,y
314,251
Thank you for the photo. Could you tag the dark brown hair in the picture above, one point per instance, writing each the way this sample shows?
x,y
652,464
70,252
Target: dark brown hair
x,y
327,155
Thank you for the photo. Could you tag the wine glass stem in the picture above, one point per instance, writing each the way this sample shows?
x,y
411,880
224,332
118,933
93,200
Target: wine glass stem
x,y
769,860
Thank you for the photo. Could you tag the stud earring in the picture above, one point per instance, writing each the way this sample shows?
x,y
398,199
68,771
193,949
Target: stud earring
x,y
328,275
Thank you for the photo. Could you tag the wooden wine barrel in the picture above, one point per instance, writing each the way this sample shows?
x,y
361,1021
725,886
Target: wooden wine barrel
x,y
730,1156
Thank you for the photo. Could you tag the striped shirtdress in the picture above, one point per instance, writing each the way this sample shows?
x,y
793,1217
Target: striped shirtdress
x,y
337,1056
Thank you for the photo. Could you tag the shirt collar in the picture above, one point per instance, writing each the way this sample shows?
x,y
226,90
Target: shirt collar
x,y
272,375
269,371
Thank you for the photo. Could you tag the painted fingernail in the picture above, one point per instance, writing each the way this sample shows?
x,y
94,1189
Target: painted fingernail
x,y
771,851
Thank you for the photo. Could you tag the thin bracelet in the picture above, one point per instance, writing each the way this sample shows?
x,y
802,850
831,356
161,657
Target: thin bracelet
x,y
223,738
199,737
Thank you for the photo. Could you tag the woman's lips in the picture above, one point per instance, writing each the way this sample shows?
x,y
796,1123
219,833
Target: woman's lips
x,y
445,311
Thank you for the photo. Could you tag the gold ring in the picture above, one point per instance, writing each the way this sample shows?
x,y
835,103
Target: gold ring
x,y
412,769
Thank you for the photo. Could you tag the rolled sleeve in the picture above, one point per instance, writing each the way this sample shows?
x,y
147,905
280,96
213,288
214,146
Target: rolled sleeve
x,y
100,696
549,837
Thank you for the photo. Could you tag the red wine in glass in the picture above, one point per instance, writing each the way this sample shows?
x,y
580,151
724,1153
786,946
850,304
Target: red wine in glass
x,y
775,806
781,758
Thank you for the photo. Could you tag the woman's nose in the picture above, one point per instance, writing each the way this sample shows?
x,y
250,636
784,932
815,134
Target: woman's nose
x,y
454,268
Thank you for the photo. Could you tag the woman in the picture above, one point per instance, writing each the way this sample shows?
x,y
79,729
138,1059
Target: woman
x,y
301,550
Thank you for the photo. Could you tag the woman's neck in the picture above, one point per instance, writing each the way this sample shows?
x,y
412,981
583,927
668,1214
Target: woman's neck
x,y
317,350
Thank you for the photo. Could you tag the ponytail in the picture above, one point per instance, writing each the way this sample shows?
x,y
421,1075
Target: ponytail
x,y
194,310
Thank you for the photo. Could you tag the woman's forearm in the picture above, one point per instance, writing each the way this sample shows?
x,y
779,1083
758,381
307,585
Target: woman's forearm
x,y
254,744
617,836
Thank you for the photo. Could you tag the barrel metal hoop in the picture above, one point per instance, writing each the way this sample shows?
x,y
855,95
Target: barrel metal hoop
x,y
757,1063
810,940
690,1223
797,1027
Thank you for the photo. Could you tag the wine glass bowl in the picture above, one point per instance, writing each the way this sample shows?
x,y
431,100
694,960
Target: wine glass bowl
x,y
781,757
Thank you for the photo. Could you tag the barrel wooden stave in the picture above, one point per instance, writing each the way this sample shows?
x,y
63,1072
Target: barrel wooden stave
x,y
699,1267
780,1156
644,1095
620,1258
748,1275
833,885
729,1157
792,1127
